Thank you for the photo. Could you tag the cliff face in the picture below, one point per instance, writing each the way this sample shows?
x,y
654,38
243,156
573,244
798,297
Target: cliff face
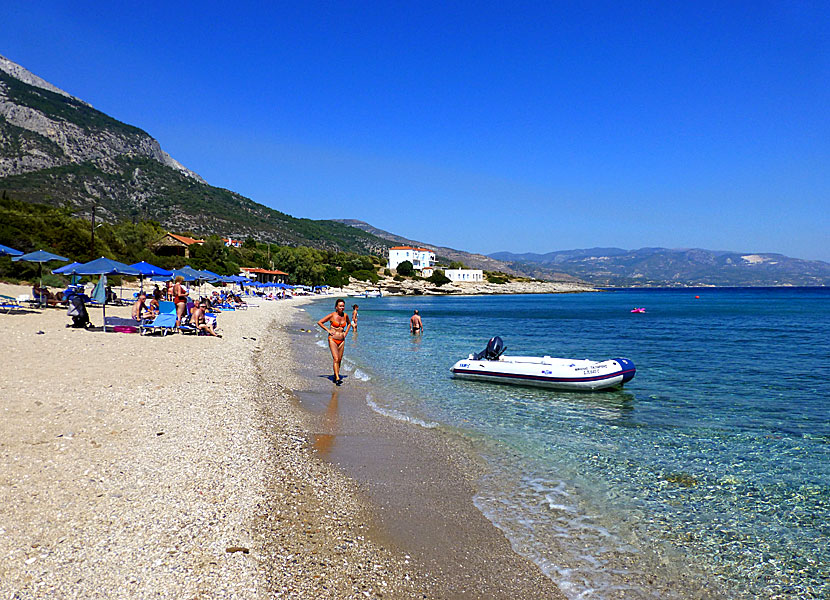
x,y
57,149
42,126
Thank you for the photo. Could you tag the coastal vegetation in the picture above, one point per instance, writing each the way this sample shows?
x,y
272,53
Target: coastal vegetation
x,y
28,227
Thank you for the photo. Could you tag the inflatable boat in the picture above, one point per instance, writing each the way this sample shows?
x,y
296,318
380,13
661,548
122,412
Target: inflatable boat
x,y
545,371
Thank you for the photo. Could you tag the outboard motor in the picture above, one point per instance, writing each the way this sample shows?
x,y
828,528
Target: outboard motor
x,y
495,348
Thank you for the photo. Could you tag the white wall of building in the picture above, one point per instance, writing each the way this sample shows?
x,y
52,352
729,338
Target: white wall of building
x,y
465,275
419,257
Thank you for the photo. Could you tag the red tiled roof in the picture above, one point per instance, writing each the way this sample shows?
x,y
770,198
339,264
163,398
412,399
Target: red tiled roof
x,y
410,248
187,241
258,270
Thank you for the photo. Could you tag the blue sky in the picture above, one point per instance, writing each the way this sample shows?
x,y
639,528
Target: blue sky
x,y
484,126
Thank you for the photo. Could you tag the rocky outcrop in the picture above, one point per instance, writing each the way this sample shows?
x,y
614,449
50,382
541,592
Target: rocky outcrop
x,y
422,287
41,126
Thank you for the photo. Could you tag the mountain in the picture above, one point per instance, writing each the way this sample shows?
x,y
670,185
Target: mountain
x,y
474,261
676,267
57,149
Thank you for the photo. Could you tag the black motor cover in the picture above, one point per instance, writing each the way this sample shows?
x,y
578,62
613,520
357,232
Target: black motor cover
x,y
495,348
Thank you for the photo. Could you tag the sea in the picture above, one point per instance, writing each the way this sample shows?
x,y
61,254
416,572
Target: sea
x,y
707,475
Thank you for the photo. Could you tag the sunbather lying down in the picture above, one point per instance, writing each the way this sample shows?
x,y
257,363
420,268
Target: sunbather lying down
x,y
44,296
197,318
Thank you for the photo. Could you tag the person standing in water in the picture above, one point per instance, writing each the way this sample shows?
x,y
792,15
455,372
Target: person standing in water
x,y
354,317
415,323
339,325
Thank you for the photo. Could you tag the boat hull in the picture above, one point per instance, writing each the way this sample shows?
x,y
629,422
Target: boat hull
x,y
547,372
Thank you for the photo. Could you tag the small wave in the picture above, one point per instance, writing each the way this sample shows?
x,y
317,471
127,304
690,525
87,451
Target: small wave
x,y
358,374
322,343
397,415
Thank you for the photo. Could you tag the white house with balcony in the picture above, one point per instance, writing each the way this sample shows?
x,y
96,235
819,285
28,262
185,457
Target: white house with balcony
x,y
420,258
465,275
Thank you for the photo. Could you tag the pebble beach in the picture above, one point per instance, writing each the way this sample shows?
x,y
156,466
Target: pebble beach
x,y
182,467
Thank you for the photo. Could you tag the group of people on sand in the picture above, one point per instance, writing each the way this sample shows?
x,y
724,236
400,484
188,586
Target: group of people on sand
x,y
337,324
142,309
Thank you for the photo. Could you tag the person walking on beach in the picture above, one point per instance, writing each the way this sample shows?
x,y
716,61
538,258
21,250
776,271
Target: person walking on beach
x,y
339,325
415,323
354,317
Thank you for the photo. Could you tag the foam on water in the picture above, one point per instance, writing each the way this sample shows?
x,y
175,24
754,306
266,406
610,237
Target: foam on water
x,y
358,374
397,415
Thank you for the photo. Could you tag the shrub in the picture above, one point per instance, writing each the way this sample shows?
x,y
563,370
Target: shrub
x,y
438,278
365,275
398,278
496,277
387,272
406,269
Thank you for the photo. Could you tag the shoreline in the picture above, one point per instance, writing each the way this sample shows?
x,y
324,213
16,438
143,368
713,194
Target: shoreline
x,y
420,482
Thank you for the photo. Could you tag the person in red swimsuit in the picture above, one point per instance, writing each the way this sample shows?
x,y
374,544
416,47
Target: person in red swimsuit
x,y
180,298
339,325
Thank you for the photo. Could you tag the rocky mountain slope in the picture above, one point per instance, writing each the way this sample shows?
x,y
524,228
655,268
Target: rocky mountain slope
x,y
472,260
678,267
59,150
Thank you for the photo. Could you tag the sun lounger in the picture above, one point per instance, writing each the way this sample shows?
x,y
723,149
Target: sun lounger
x,y
164,322
8,304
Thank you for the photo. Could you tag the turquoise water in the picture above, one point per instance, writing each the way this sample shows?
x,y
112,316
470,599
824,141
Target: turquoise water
x,y
707,476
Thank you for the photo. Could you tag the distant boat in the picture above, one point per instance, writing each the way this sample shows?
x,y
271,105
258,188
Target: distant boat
x,y
371,294
638,310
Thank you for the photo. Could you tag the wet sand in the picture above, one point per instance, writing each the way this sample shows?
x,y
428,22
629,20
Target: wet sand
x,y
420,481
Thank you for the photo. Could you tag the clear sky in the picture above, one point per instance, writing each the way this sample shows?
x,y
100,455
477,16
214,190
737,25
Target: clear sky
x,y
484,126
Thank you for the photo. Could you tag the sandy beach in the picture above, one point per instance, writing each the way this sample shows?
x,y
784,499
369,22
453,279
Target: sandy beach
x,y
187,467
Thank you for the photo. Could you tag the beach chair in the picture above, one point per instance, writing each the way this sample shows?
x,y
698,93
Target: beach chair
x,y
8,304
26,300
164,322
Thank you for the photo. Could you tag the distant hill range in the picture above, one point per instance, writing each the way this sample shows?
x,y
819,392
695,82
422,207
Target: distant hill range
x,y
57,149
474,261
681,267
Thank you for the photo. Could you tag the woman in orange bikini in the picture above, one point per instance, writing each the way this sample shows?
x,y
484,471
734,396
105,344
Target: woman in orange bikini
x,y
339,325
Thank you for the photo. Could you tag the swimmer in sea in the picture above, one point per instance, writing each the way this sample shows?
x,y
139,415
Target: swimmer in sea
x,y
354,317
339,325
415,323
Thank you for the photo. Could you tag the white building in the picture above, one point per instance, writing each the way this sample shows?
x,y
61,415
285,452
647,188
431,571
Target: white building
x,y
465,275
419,257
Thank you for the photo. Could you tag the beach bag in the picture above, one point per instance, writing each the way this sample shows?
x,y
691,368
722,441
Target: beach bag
x,y
73,311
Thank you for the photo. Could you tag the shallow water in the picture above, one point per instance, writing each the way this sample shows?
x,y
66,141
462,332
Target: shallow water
x,y
708,475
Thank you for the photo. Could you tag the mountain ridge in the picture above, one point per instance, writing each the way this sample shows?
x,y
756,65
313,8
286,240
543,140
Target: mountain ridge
x,y
677,267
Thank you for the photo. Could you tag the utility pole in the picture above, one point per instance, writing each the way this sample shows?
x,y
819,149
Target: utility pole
x,y
92,243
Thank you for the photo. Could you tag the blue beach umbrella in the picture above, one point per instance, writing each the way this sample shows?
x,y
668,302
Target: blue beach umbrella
x,y
103,267
40,256
66,269
186,275
10,251
210,275
145,269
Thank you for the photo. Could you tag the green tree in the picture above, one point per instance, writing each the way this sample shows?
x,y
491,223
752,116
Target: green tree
x,y
438,278
406,269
